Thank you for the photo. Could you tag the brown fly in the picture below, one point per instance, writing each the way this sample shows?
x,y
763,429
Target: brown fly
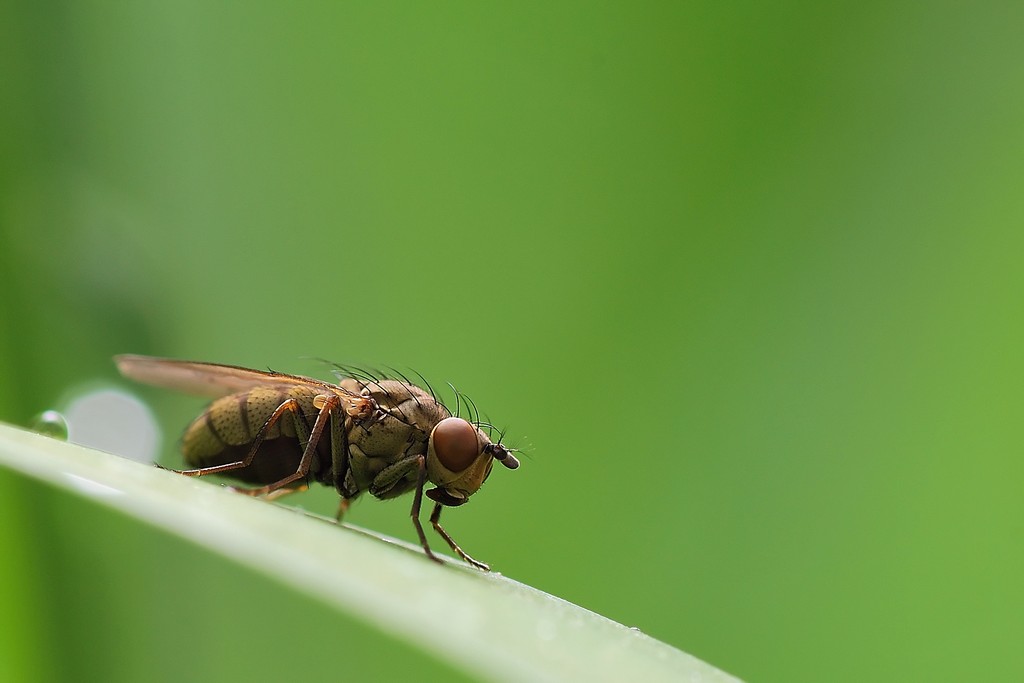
x,y
278,431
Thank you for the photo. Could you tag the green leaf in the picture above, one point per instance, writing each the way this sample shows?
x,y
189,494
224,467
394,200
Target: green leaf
x,y
357,585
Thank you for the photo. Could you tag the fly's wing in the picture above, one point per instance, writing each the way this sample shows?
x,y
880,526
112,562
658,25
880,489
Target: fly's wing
x,y
210,379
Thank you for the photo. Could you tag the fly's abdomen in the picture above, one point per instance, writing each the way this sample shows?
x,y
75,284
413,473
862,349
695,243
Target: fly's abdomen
x,y
226,430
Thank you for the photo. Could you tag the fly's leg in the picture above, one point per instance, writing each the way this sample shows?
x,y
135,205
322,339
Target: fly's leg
x,y
417,502
290,405
435,519
330,404
281,493
339,460
342,509
391,475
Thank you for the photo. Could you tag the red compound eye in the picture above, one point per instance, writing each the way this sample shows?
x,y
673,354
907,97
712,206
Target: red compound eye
x,y
455,443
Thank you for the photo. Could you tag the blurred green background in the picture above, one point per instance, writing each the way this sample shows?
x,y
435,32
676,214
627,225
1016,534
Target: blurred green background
x,y
744,280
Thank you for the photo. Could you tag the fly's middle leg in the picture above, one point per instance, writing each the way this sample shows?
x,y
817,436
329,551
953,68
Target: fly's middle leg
x,y
342,509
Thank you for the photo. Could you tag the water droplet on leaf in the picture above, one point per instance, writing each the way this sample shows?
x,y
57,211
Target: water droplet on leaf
x,y
51,423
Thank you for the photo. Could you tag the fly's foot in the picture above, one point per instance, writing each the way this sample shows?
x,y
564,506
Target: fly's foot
x,y
476,563
342,509
245,492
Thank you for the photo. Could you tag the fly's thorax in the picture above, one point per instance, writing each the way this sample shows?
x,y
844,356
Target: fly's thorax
x,y
410,422
400,428
389,393
386,437
403,422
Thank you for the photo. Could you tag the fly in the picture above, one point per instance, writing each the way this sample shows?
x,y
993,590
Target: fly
x,y
276,431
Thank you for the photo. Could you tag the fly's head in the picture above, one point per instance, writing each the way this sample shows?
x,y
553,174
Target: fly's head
x,y
459,458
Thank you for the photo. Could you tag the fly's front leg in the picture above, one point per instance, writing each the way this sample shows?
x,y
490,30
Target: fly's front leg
x,y
435,519
417,502
391,475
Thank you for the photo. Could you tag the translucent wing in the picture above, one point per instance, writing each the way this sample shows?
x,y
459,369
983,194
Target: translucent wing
x,y
209,379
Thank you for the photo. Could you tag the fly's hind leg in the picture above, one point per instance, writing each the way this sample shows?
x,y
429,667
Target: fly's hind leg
x,y
329,405
280,493
288,406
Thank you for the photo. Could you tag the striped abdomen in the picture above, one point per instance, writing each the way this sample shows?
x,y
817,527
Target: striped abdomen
x,y
225,431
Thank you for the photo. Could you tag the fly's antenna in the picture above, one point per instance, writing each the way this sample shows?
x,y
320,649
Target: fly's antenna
x,y
524,449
